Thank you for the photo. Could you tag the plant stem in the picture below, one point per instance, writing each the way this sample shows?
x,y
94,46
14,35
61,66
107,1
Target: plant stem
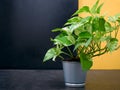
x,y
97,50
117,47
99,47
92,48
116,32
82,50
67,54
61,57
100,53
70,52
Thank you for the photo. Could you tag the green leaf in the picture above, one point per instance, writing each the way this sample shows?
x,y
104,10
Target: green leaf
x,y
85,27
111,19
67,30
118,20
81,10
88,42
61,35
57,30
73,20
95,24
112,44
51,53
63,40
77,32
88,27
98,35
81,23
63,30
82,42
71,39
108,27
77,45
75,26
101,24
104,38
117,15
86,61
99,8
114,18
85,35
93,9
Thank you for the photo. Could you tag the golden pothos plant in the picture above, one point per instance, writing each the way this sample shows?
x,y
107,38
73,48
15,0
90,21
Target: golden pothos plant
x,y
91,36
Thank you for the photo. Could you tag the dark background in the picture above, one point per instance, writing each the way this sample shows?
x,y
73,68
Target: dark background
x,y
25,31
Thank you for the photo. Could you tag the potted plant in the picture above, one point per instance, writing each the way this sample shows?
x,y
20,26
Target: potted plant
x,y
82,39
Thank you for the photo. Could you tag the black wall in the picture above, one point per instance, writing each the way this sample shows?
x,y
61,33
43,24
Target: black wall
x,y
25,29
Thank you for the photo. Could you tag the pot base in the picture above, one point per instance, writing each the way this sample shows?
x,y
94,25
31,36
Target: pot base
x,y
75,85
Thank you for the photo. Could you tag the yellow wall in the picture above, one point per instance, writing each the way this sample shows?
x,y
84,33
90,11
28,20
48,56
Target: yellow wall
x,y
111,60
